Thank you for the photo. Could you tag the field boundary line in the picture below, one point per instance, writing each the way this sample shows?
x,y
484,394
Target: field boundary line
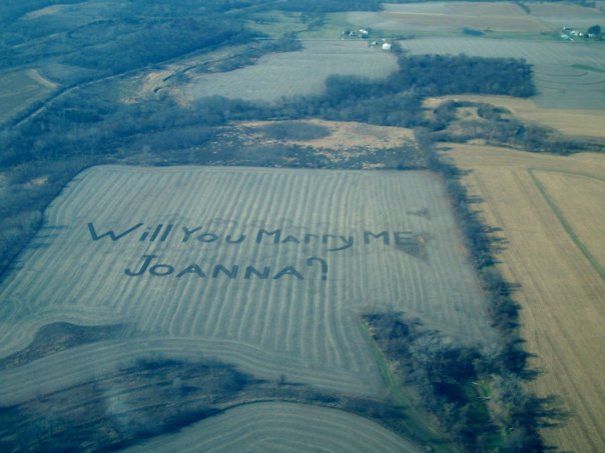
x,y
566,225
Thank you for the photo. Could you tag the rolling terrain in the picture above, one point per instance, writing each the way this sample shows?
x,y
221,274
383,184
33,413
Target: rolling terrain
x,y
282,427
21,89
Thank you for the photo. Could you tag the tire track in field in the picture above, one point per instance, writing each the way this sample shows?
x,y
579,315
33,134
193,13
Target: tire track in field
x,y
566,225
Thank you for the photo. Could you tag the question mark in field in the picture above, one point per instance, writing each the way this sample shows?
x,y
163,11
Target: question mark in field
x,y
322,262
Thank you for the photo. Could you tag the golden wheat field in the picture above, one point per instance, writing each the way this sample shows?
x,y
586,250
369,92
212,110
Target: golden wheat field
x,y
550,209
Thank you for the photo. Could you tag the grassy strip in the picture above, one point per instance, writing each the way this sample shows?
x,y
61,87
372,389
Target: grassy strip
x,y
566,225
383,366
414,421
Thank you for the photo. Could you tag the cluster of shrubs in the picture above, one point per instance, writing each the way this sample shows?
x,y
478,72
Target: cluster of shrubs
x,y
498,127
478,401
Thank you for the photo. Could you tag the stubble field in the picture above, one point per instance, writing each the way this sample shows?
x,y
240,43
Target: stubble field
x,y
294,314
561,14
550,210
292,73
19,89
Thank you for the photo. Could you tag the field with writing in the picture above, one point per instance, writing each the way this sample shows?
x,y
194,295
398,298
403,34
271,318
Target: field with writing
x,y
263,268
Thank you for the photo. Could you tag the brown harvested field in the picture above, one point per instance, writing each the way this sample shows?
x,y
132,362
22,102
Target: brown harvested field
x,y
495,16
20,89
566,14
343,144
554,9
566,74
549,207
298,73
576,122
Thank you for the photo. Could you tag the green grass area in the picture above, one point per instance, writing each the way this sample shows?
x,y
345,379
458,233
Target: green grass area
x,y
586,67
478,394
414,421
566,225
